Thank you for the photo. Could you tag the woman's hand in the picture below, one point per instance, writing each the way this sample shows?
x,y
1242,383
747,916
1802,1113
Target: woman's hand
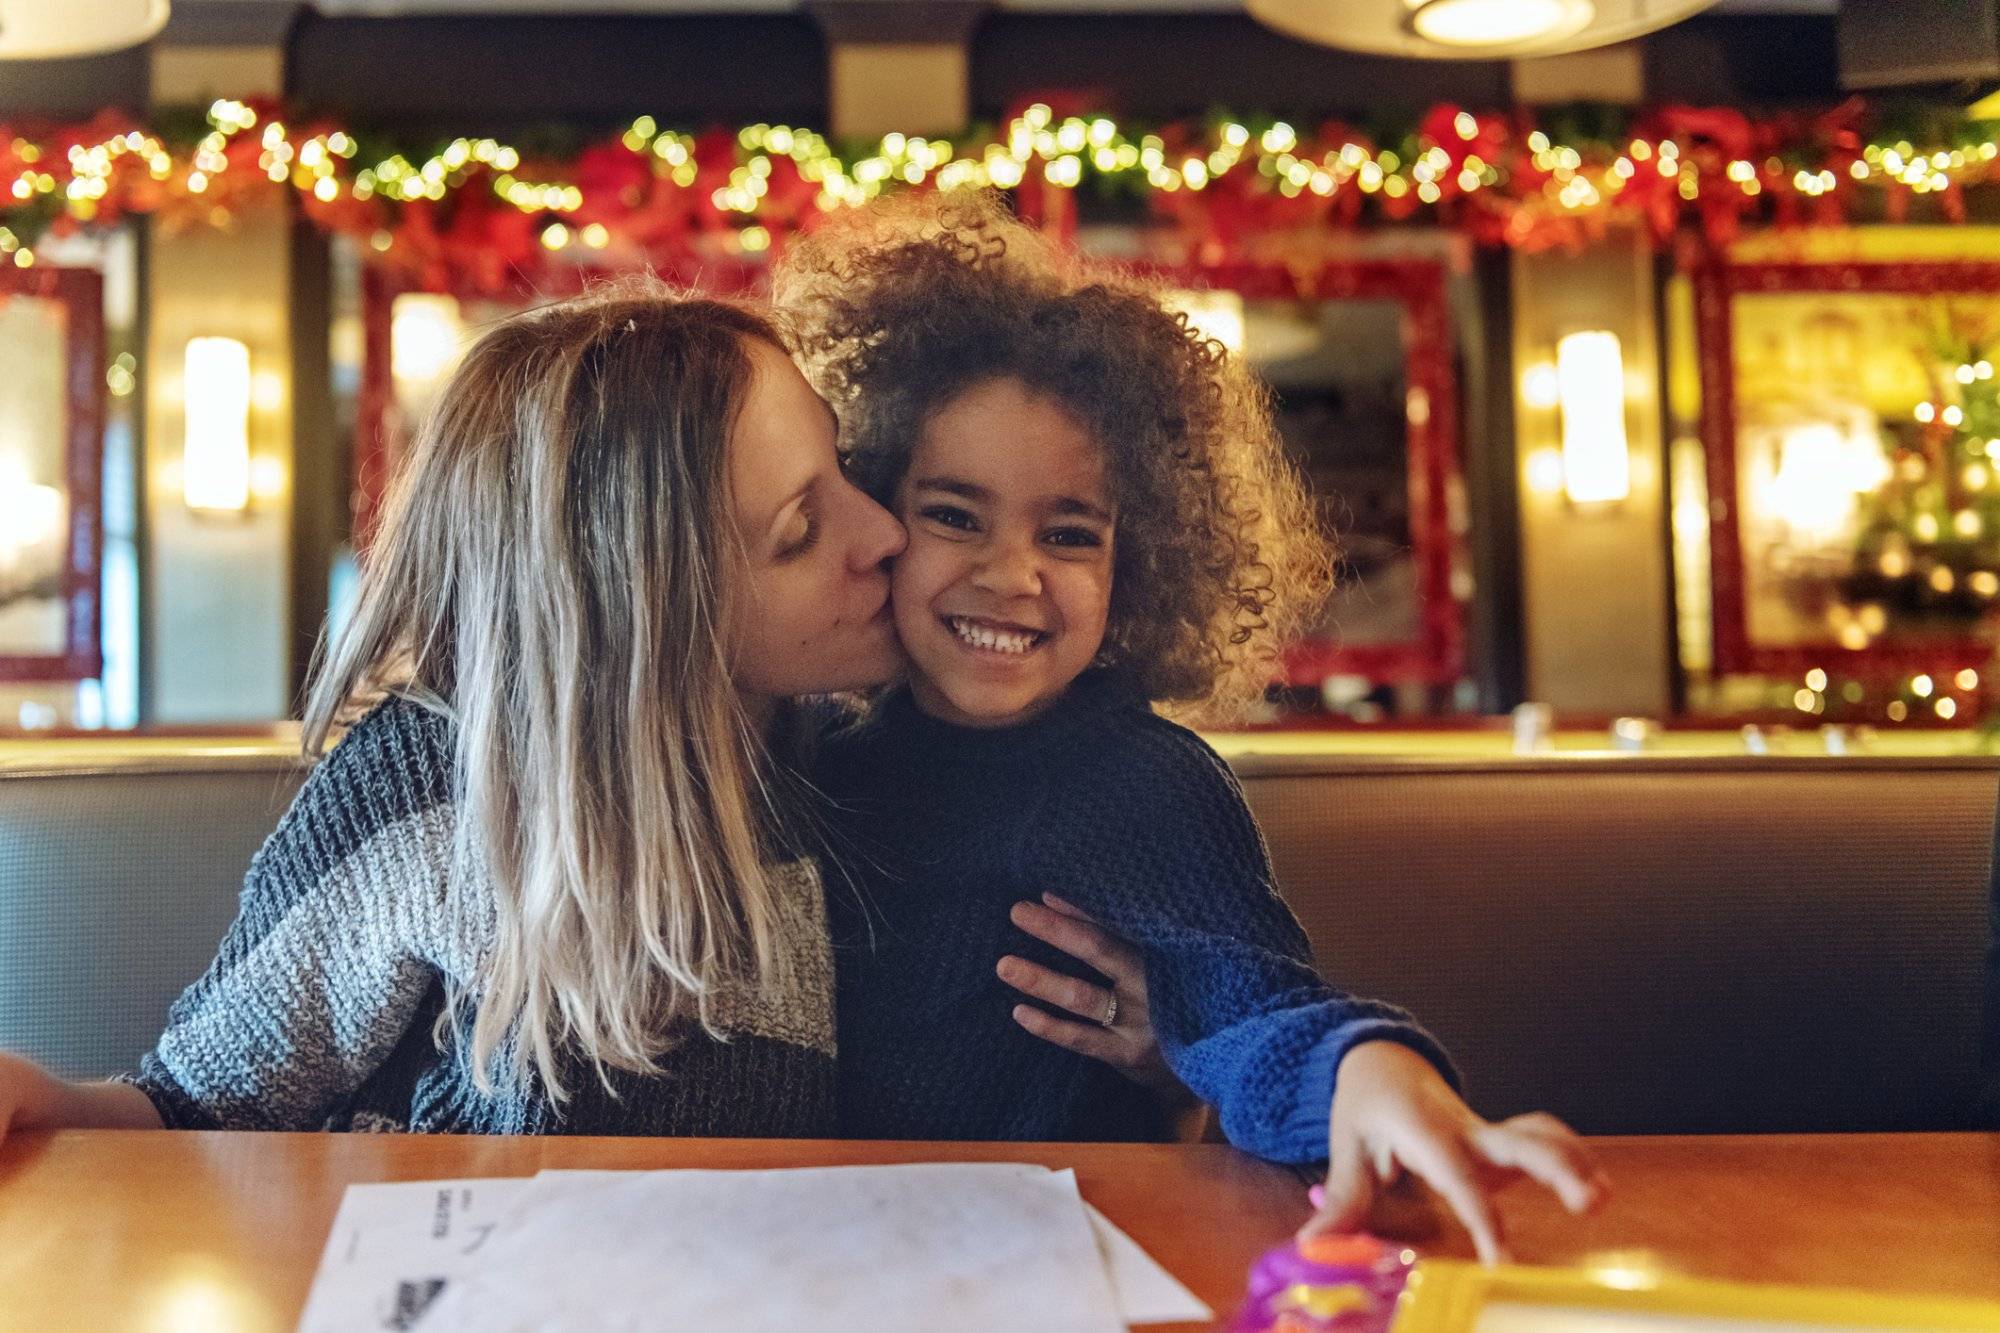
x,y
33,1098
1126,1041
30,1096
1393,1112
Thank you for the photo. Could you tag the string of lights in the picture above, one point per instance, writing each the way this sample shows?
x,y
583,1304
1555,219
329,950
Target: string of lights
x,y
1509,179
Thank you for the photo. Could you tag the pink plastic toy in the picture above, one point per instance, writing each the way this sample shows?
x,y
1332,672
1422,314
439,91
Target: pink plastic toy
x,y
1328,1284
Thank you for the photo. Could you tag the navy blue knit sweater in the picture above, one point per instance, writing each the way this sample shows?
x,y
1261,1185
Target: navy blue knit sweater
x,y
938,830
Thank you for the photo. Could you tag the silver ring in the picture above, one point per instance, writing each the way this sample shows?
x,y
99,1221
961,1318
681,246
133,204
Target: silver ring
x,y
1110,1018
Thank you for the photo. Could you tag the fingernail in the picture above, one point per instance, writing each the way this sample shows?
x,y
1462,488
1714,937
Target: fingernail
x,y
1316,1196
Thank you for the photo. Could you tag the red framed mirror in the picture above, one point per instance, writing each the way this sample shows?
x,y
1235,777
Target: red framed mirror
x,y
1359,355
1851,426
52,402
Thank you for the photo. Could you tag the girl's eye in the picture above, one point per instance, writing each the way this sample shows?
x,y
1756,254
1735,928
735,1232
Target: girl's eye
x,y
1077,538
950,516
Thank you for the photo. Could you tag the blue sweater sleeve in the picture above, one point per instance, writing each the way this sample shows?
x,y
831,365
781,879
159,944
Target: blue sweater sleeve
x,y
1163,850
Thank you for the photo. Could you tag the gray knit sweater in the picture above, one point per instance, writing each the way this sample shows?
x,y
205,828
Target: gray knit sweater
x,y
318,1009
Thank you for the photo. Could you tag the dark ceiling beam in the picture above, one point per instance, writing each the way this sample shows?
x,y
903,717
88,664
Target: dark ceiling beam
x,y
897,22
230,22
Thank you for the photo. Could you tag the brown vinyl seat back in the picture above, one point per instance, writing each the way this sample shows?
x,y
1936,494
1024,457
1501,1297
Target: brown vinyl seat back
x,y
1663,945
117,881
1638,945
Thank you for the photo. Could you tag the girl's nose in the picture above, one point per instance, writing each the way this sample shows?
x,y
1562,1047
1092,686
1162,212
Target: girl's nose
x,y
1009,569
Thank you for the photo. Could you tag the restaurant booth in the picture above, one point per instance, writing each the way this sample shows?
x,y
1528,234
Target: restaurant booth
x,y
1642,366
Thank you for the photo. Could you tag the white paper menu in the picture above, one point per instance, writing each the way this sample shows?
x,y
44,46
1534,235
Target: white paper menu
x,y
396,1249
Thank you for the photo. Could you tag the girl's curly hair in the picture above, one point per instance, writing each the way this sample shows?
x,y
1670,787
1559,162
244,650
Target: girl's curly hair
x,y
1220,557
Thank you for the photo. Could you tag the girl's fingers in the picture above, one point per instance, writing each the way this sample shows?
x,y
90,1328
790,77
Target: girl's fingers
x,y
1083,940
1079,997
1086,1039
1555,1157
1343,1202
1447,1167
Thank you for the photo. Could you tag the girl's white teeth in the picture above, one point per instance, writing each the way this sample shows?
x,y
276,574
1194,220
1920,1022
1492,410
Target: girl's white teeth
x,y
994,640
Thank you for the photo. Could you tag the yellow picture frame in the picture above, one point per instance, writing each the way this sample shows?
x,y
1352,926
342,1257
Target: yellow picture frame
x,y
1449,1296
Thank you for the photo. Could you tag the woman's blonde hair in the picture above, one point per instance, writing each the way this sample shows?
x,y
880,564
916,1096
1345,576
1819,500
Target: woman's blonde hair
x,y
554,574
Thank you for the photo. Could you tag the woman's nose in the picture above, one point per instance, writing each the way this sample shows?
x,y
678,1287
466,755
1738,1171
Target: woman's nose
x,y
882,537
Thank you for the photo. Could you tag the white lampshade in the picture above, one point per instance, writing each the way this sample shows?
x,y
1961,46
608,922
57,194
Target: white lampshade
x,y
1471,29
36,29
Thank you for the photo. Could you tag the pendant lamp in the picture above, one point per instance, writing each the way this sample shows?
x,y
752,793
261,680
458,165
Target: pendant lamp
x,y
1470,29
42,29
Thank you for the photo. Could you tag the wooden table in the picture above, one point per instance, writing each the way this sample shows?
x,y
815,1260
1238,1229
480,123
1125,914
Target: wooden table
x,y
129,1230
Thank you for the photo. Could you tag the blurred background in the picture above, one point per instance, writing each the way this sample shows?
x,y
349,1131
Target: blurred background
x,y
1641,351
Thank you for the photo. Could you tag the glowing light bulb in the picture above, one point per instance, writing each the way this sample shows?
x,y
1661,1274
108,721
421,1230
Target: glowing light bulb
x,y
1476,23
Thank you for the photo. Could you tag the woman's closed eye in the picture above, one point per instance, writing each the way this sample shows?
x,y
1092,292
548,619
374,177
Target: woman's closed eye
x,y
801,532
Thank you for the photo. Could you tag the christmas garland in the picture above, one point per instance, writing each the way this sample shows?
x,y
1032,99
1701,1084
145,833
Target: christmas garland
x,y
482,215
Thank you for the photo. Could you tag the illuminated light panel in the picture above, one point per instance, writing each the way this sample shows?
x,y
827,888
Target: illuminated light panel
x,y
215,467
1596,452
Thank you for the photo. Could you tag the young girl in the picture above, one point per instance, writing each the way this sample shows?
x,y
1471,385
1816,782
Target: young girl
x,y
1100,517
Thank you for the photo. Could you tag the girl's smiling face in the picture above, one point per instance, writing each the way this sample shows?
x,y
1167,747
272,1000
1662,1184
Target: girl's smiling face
x,y
1002,595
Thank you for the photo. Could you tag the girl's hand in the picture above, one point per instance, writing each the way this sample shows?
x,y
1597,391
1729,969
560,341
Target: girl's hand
x,y
1126,1043
1393,1112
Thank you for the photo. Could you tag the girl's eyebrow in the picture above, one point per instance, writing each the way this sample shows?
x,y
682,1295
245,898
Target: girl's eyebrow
x,y
1067,505
965,490
1070,505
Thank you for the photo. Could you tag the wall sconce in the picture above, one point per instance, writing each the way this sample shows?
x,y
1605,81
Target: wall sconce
x,y
215,454
1596,452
